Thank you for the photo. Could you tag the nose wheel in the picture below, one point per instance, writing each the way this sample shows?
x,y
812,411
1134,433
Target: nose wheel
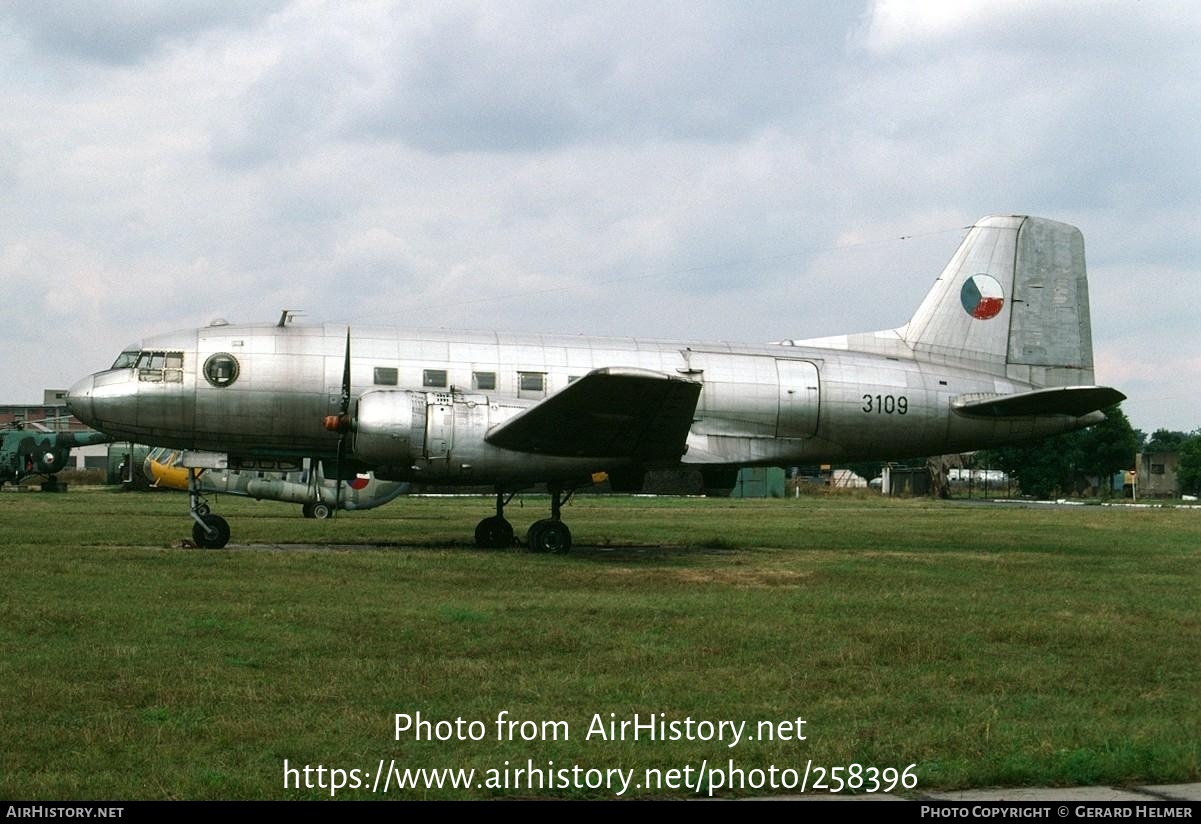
x,y
209,531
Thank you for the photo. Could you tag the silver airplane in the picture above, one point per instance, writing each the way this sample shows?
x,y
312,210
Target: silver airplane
x,y
999,352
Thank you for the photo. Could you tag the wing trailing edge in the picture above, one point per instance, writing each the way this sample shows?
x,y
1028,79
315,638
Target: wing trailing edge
x,y
608,413
1076,401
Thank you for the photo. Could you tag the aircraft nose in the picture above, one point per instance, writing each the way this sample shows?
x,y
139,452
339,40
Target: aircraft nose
x,y
79,399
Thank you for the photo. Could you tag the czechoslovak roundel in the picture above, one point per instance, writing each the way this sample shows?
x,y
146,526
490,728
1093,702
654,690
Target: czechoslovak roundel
x,y
982,297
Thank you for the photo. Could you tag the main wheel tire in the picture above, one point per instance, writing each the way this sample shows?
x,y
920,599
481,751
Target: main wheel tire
x,y
306,510
549,535
321,511
494,533
221,532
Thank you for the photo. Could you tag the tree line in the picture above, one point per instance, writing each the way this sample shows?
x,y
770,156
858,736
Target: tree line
x,y
1066,464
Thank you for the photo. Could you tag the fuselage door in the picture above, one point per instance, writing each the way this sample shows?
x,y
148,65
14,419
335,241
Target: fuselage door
x,y
440,425
799,397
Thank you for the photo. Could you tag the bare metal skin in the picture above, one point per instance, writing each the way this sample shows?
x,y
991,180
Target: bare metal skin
x,y
1000,351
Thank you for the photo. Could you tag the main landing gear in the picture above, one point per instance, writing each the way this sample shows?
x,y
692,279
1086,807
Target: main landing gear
x,y
495,532
548,535
210,531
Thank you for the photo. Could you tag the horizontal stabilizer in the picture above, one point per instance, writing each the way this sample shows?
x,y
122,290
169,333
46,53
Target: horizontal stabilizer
x,y
1076,401
608,413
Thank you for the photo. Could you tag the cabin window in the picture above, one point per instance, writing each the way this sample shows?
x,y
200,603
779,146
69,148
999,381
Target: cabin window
x,y
174,360
483,380
531,381
1157,469
221,369
385,376
434,378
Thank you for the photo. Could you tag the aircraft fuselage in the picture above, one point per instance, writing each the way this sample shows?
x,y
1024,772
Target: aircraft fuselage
x,y
265,389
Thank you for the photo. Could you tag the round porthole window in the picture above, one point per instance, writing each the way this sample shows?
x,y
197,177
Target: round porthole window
x,y
221,369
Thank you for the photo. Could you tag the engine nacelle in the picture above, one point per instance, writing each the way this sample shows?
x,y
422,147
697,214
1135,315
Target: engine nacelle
x,y
389,427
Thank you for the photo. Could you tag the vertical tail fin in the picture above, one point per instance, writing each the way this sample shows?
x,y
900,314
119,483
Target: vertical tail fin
x,y
1012,301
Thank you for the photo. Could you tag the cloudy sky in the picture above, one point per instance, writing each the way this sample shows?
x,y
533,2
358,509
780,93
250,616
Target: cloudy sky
x,y
741,171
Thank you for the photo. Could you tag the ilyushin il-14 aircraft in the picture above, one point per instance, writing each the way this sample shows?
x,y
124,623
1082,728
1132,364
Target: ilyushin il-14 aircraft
x,y
998,352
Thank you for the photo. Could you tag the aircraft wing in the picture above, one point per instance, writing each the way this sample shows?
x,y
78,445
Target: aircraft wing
x,y
1076,401
608,413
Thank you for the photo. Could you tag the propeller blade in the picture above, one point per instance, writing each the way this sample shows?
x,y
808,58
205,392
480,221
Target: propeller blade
x,y
344,422
346,376
338,482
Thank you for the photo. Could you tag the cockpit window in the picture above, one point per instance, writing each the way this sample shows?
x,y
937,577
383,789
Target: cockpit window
x,y
153,367
221,369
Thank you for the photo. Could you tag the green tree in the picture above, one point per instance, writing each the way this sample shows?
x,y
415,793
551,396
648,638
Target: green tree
x,y
1043,468
1188,470
1061,463
1166,440
1108,447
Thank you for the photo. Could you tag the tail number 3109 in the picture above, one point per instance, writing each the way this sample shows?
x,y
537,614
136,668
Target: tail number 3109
x,y
886,404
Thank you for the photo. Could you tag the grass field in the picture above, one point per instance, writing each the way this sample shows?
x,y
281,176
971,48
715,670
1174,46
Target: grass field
x,y
987,645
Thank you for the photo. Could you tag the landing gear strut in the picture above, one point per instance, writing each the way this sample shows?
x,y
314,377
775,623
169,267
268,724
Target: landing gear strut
x,y
551,534
210,531
495,532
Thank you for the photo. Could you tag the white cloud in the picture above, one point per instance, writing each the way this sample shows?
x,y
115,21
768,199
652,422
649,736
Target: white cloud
x,y
630,169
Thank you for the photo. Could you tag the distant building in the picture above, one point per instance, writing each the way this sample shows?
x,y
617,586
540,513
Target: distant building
x,y
977,477
905,481
846,479
1157,474
46,416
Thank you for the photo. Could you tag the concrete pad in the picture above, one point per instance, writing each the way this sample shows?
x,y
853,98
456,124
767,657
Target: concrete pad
x,y
1042,794
1176,792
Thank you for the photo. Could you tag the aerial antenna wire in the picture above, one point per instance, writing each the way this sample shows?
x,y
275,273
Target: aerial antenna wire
x,y
729,264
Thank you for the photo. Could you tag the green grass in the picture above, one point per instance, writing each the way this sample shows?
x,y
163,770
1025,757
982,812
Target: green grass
x,y
987,645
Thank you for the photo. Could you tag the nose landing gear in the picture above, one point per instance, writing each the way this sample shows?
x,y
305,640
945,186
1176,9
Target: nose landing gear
x,y
210,531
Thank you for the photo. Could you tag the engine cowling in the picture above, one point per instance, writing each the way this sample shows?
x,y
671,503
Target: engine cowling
x,y
389,427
